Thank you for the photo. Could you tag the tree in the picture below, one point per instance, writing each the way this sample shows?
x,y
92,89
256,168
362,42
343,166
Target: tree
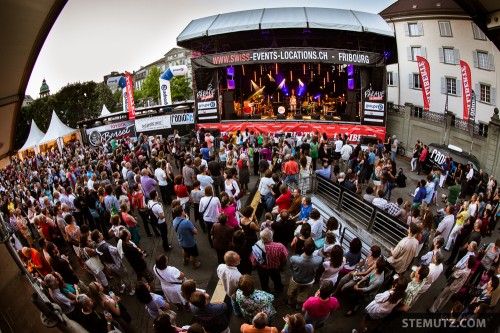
x,y
151,85
77,101
104,96
180,89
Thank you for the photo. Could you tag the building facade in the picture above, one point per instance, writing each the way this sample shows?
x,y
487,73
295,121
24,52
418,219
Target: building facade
x,y
444,34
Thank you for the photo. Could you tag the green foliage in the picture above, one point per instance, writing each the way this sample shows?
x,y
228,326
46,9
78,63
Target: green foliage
x,y
151,85
105,97
180,89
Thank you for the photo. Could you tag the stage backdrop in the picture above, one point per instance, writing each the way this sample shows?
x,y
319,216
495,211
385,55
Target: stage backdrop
x,y
354,132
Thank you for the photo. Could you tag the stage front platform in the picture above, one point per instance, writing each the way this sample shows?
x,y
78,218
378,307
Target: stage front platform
x,y
297,127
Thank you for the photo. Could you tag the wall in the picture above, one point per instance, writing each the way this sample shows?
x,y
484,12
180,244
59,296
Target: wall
x,y
463,40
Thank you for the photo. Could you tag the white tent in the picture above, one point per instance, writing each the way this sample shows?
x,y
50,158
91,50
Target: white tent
x,y
105,112
56,130
34,137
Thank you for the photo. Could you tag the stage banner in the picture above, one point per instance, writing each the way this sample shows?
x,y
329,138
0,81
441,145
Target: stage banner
x,y
130,96
425,80
467,89
181,119
289,55
101,135
472,113
152,123
354,132
206,96
165,93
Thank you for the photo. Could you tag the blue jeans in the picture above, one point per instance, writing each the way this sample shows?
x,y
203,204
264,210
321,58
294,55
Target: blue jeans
x,y
388,190
393,156
291,179
236,308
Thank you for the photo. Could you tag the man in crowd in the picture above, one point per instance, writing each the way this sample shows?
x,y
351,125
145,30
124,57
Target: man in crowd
x,y
402,255
185,235
230,276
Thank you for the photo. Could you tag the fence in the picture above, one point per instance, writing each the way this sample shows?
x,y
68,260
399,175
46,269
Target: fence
x,y
358,215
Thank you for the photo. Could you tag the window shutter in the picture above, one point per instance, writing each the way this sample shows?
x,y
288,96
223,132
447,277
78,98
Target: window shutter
x,y
408,53
476,61
456,56
407,30
420,28
423,52
395,79
443,85
493,96
491,62
410,80
441,54
459,87
477,90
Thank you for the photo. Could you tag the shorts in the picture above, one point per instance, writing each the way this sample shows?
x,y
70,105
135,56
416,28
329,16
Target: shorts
x,y
146,275
191,251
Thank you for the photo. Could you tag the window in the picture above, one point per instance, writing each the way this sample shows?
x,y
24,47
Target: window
x,y
445,29
485,95
392,79
414,29
418,111
449,55
415,51
478,34
483,60
415,81
451,86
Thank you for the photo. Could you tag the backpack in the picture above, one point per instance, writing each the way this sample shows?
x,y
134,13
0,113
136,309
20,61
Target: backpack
x,y
401,179
153,219
259,253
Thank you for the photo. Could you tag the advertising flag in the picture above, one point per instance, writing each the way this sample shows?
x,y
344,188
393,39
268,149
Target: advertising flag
x,y
425,80
472,113
130,96
467,88
165,94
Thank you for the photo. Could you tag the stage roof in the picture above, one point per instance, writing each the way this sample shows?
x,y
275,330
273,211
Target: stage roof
x,y
282,18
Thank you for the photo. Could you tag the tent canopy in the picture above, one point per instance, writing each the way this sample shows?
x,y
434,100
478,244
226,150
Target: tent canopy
x,y
105,112
34,137
56,130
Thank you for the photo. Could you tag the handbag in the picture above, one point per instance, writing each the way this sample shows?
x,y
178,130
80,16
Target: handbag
x,y
94,264
170,313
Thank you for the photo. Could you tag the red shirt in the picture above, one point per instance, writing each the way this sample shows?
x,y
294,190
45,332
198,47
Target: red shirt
x,y
181,191
291,168
39,260
276,253
284,201
318,308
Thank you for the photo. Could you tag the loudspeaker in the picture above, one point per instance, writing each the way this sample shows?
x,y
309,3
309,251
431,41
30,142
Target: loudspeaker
x,y
350,111
233,116
228,96
256,116
297,116
329,117
315,116
351,96
228,110
246,116
281,116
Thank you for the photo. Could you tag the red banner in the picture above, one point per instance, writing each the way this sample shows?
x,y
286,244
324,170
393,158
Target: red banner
x,y
467,88
130,96
425,80
354,132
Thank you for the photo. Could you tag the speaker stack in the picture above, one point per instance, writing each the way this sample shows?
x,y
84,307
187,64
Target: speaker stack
x,y
315,116
256,116
280,116
228,99
329,117
297,116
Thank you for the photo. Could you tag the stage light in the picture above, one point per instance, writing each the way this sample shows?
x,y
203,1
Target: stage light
x,y
327,76
254,85
270,77
254,75
276,71
280,86
291,76
319,69
243,69
304,66
301,83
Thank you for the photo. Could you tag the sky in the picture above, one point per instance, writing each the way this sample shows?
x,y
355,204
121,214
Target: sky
x,y
92,38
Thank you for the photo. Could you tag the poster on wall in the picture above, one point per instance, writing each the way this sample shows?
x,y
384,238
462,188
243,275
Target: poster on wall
x,y
99,135
206,96
152,123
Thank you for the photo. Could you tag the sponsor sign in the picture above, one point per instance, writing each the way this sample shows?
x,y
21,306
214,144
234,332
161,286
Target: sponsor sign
x,y
467,88
374,95
472,113
181,119
165,95
207,111
130,96
354,132
152,123
207,105
316,55
425,79
374,106
374,113
102,134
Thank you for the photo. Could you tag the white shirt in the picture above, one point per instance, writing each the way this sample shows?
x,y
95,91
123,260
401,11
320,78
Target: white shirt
x,y
161,176
346,152
212,211
445,226
380,203
124,172
90,184
434,273
379,307
316,228
338,145
230,276
263,186
470,174
204,180
157,209
471,211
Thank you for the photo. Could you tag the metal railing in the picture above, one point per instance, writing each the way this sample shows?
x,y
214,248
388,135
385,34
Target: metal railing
x,y
359,214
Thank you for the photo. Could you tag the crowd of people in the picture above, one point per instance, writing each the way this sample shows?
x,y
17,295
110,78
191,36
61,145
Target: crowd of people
x,y
76,214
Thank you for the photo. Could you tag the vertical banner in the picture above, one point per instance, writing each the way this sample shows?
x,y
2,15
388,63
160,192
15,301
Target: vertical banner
x,y
206,96
472,112
425,80
466,88
165,94
124,99
130,96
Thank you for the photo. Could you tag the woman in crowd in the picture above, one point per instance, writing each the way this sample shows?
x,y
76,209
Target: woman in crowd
x,y
249,225
222,235
239,245
228,207
252,301
170,279
333,266
154,303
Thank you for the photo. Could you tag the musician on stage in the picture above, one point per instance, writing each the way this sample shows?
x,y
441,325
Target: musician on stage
x,y
326,103
293,102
